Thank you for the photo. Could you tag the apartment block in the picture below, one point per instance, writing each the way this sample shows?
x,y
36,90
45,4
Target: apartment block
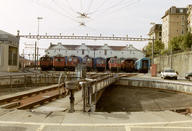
x,y
156,32
189,18
174,23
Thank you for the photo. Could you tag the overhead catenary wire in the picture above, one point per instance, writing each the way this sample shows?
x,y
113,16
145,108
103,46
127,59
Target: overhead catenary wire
x,y
113,5
90,5
66,10
116,9
98,7
91,9
70,6
56,11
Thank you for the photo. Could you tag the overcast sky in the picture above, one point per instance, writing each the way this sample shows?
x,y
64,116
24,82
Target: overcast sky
x,y
107,17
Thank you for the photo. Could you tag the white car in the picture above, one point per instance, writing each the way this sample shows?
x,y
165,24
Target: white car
x,y
169,73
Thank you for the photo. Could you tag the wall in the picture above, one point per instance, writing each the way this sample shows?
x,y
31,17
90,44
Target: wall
x,y
4,58
159,84
181,62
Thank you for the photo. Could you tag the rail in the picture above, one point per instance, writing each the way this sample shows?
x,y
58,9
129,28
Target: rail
x,y
32,98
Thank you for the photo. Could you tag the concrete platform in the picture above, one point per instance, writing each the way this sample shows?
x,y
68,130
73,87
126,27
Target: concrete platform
x,y
135,121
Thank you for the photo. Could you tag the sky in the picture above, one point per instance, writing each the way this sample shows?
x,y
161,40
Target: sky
x,y
106,17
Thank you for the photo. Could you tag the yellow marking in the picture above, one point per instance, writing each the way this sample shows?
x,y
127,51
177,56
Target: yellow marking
x,y
129,125
40,128
127,128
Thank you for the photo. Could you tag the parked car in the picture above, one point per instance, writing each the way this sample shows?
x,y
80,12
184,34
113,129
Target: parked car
x,y
188,76
169,73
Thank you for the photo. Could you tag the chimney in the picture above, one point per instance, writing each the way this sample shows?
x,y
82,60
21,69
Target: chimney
x,y
173,9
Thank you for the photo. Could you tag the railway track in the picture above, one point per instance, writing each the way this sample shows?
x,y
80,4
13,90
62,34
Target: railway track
x,y
30,99
37,97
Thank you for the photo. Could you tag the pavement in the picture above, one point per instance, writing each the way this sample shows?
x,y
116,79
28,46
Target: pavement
x,y
20,120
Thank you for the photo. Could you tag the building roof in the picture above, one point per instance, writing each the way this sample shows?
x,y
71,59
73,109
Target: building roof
x,y
4,36
156,27
175,11
93,47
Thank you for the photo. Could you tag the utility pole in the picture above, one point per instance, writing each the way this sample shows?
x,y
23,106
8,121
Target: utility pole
x,y
23,60
36,48
35,54
37,57
153,50
171,57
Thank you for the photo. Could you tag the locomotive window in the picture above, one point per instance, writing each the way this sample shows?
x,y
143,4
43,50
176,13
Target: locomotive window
x,y
70,59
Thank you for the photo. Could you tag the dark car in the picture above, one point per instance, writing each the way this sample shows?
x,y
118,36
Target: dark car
x,y
188,76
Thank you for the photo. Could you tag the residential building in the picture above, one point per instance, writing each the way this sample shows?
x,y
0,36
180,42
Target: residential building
x,y
93,51
174,24
189,18
9,52
156,32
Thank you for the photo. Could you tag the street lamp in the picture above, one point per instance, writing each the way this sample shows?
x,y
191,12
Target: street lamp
x,y
38,21
152,23
36,49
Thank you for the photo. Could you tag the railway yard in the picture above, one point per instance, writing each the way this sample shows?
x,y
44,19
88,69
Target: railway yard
x,y
44,101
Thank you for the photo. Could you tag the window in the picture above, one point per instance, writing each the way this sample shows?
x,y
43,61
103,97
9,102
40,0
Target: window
x,y
83,52
181,10
105,52
160,33
13,56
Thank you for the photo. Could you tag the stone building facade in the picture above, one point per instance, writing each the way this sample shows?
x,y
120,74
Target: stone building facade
x,y
189,18
174,23
104,51
9,52
156,32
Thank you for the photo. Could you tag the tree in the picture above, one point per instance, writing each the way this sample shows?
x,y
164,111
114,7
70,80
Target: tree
x,y
158,48
175,43
187,41
182,43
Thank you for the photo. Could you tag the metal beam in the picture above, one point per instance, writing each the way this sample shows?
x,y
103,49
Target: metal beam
x,y
73,37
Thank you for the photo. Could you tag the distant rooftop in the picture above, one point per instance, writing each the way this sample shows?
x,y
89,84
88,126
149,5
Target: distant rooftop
x,y
175,11
93,47
156,27
4,36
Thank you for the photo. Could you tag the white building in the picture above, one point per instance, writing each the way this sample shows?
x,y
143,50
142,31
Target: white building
x,y
104,51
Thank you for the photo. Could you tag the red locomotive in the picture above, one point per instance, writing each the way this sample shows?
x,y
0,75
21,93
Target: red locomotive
x,y
128,65
59,63
114,64
88,61
72,62
46,63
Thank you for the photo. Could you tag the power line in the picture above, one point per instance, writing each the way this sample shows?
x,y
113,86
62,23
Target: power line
x,y
56,11
61,7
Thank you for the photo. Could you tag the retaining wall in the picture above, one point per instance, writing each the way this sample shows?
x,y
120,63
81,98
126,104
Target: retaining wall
x,y
181,62
159,84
